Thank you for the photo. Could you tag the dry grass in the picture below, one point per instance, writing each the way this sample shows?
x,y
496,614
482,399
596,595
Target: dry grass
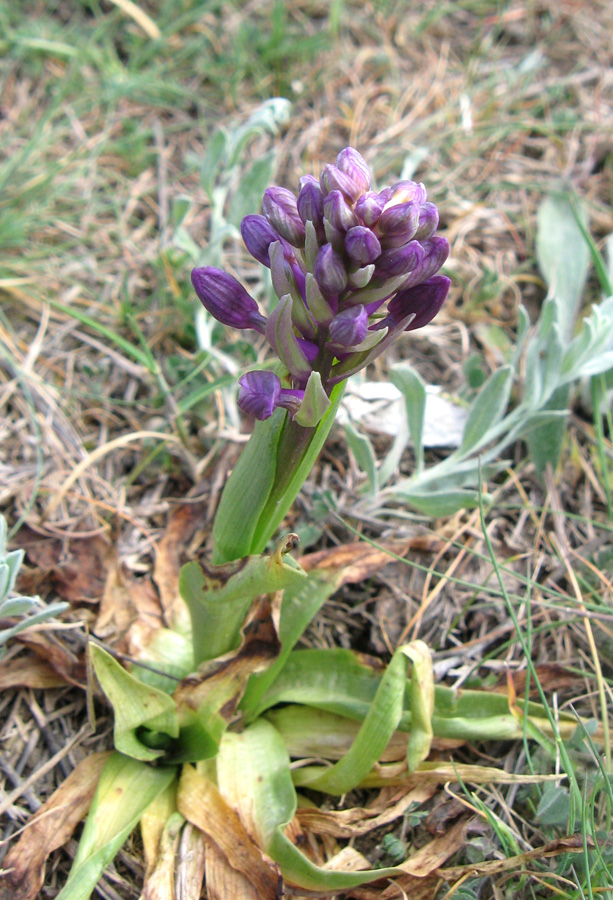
x,y
102,130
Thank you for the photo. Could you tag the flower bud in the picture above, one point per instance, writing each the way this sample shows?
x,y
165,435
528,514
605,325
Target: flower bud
x,y
400,260
362,245
354,165
407,191
226,299
436,251
258,235
310,202
428,221
338,213
397,224
332,179
350,326
370,206
424,300
330,272
260,393
280,208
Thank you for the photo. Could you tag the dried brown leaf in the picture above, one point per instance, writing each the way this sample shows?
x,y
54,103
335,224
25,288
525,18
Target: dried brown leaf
x,y
222,881
200,802
49,647
356,822
572,844
28,671
23,870
183,534
354,562
75,570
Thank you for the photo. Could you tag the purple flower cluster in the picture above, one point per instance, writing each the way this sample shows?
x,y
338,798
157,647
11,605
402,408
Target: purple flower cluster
x,y
353,268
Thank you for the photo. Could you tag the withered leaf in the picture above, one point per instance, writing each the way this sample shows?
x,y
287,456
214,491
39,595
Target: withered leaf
x,y
24,866
73,569
200,802
354,562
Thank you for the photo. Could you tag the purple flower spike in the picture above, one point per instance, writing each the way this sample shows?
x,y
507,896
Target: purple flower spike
x,y
281,210
350,326
338,213
226,299
354,165
258,235
260,393
332,179
362,245
329,271
425,300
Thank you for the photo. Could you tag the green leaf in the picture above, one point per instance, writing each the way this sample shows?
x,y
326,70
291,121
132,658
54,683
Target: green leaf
x,y
413,390
315,403
218,597
254,776
438,504
301,602
136,705
248,194
247,490
562,253
126,788
545,441
212,161
487,409
554,806
381,721
364,454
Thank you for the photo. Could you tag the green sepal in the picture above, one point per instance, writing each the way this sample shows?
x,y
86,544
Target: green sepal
x,y
315,403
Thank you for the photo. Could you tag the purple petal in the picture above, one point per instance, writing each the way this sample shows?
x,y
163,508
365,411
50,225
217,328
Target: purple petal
x,y
400,260
370,206
350,326
428,221
424,300
362,245
258,234
338,212
259,393
226,299
281,210
329,271
354,165
333,179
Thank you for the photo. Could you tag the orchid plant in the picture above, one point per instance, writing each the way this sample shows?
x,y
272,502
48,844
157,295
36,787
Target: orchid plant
x,y
221,719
